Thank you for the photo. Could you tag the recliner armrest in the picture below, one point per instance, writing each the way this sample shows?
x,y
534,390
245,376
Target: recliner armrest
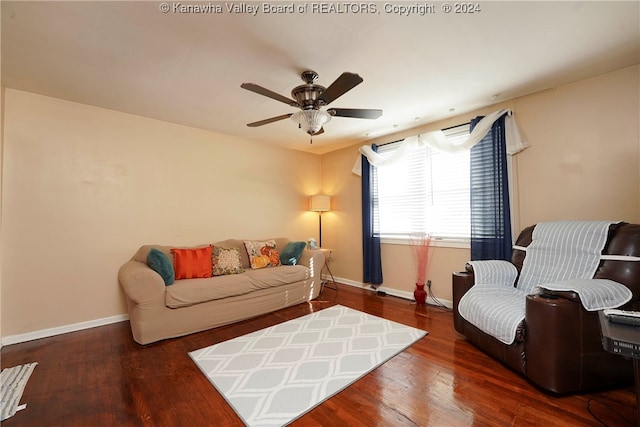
x,y
594,294
494,272
568,295
553,340
462,282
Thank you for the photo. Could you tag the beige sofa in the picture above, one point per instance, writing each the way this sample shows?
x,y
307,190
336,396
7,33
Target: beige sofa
x,y
158,312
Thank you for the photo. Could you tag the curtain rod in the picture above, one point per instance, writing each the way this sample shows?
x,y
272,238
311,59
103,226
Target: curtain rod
x,y
456,126
400,140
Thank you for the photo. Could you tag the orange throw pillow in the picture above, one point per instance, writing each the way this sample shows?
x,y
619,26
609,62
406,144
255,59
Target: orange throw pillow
x,y
192,263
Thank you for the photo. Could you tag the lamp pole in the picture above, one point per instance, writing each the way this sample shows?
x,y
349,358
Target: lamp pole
x,y
319,203
320,228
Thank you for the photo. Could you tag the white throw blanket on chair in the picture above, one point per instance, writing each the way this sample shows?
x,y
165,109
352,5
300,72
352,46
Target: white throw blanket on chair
x,y
595,294
563,250
558,251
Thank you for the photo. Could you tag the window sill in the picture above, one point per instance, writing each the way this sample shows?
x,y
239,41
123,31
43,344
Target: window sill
x,y
438,243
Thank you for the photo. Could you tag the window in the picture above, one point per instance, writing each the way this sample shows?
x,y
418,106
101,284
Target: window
x,y
427,191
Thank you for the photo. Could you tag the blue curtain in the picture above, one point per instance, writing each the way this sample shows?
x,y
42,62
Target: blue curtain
x,y
372,262
490,212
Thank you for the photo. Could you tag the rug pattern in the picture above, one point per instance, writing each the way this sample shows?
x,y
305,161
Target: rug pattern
x,y
273,376
12,384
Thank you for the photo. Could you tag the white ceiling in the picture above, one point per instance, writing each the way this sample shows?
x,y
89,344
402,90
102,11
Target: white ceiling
x,y
187,68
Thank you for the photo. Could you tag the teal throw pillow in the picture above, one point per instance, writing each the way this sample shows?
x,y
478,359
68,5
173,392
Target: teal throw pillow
x,y
292,253
160,263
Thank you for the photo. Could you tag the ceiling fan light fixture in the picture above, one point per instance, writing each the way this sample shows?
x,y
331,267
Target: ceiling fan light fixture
x,y
310,98
311,120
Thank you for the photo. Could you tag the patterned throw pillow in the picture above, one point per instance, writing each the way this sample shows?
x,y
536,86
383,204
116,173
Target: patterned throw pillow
x,y
226,261
192,263
262,254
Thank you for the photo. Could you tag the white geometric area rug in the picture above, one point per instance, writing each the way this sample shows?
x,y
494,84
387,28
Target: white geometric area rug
x,y
273,376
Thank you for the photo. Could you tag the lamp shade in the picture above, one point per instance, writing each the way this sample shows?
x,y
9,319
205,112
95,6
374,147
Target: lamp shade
x,y
319,203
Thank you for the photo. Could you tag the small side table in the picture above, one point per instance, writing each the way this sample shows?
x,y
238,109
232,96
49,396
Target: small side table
x,y
625,341
328,256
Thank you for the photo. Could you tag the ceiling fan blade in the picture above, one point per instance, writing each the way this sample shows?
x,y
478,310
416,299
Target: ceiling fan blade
x,y
271,120
357,113
339,87
270,94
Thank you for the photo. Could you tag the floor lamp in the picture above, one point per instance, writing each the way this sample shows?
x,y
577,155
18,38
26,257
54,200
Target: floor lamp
x,y
319,203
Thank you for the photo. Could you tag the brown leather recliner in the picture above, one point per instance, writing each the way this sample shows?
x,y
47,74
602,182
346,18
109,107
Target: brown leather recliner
x,y
558,345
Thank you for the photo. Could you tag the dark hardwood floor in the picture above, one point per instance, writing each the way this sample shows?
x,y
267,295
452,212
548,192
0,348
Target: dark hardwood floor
x,y
101,377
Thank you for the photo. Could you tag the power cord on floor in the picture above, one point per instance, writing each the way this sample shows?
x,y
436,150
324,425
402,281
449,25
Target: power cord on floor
x,y
438,303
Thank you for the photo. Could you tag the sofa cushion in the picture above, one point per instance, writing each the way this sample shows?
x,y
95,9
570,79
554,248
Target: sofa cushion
x,y
192,263
282,275
291,253
193,291
161,264
226,261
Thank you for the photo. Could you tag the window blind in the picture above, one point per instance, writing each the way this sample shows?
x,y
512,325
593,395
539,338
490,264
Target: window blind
x,y
427,191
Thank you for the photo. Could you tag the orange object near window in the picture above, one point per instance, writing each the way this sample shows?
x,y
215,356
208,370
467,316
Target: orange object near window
x,y
192,263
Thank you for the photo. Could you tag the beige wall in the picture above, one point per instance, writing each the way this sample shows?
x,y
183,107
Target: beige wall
x,y
1,192
586,145
584,163
1,172
84,187
342,229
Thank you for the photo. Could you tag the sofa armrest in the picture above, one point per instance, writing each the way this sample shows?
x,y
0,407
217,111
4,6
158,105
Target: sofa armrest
x,y
314,260
140,283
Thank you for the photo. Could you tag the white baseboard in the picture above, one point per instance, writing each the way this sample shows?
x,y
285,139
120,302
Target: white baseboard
x,y
390,291
50,332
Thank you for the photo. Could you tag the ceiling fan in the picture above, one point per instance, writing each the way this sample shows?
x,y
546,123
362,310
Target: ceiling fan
x,y
310,97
